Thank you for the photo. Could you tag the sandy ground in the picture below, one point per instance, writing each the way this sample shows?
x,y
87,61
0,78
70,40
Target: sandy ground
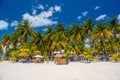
x,y
50,71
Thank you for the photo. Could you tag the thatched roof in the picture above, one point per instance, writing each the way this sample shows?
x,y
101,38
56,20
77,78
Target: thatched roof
x,y
58,52
60,55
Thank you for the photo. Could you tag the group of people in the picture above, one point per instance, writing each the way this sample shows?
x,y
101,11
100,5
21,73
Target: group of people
x,y
31,59
100,57
72,58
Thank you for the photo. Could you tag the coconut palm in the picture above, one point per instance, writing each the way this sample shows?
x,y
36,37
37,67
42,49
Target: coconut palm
x,y
6,42
77,35
114,26
1,48
25,31
14,40
39,42
101,34
28,49
88,30
10,41
118,44
48,38
110,45
59,38
75,48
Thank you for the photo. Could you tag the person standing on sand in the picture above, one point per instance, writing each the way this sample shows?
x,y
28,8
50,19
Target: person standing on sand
x,y
107,57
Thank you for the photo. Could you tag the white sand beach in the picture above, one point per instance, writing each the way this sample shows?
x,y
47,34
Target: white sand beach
x,y
50,71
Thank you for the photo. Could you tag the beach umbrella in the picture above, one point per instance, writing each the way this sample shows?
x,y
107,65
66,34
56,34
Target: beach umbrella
x,y
38,56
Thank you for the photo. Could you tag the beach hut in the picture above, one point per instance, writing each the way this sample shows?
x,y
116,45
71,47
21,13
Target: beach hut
x,y
60,59
38,59
55,53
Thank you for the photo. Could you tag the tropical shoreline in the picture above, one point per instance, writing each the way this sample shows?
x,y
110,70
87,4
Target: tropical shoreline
x,y
49,71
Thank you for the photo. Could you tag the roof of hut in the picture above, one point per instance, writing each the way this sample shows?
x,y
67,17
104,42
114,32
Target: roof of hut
x,y
60,55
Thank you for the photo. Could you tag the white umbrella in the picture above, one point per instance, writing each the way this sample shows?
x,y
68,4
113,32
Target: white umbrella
x,y
38,56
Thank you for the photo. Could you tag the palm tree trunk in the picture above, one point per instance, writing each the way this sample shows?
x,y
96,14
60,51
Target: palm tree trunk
x,y
114,32
91,42
104,45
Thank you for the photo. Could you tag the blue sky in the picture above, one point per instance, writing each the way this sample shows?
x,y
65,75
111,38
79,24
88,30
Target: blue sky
x,y
41,13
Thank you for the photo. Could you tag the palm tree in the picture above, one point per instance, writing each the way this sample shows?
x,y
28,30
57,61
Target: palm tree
x,y
118,44
48,38
110,45
6,42
59,38
14,40
78,35
101,33
74,48
1,48
25,31
30,48
39,42
88,30
75,33
115,28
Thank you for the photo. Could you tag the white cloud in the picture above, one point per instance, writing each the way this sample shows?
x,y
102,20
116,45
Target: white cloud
x,y
57,8
96,8
118,19
40,6
3,24
101,17
34,12
43,18
51,8
14,23
79,17
85,13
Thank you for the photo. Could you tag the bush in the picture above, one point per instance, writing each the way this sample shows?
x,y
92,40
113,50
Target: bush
x,y
95,58
0,59
115,57
13,59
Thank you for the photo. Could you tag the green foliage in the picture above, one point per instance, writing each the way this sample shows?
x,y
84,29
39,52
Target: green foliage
x,y
13,59
103,37
15,54
45,54
115,57
87,53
